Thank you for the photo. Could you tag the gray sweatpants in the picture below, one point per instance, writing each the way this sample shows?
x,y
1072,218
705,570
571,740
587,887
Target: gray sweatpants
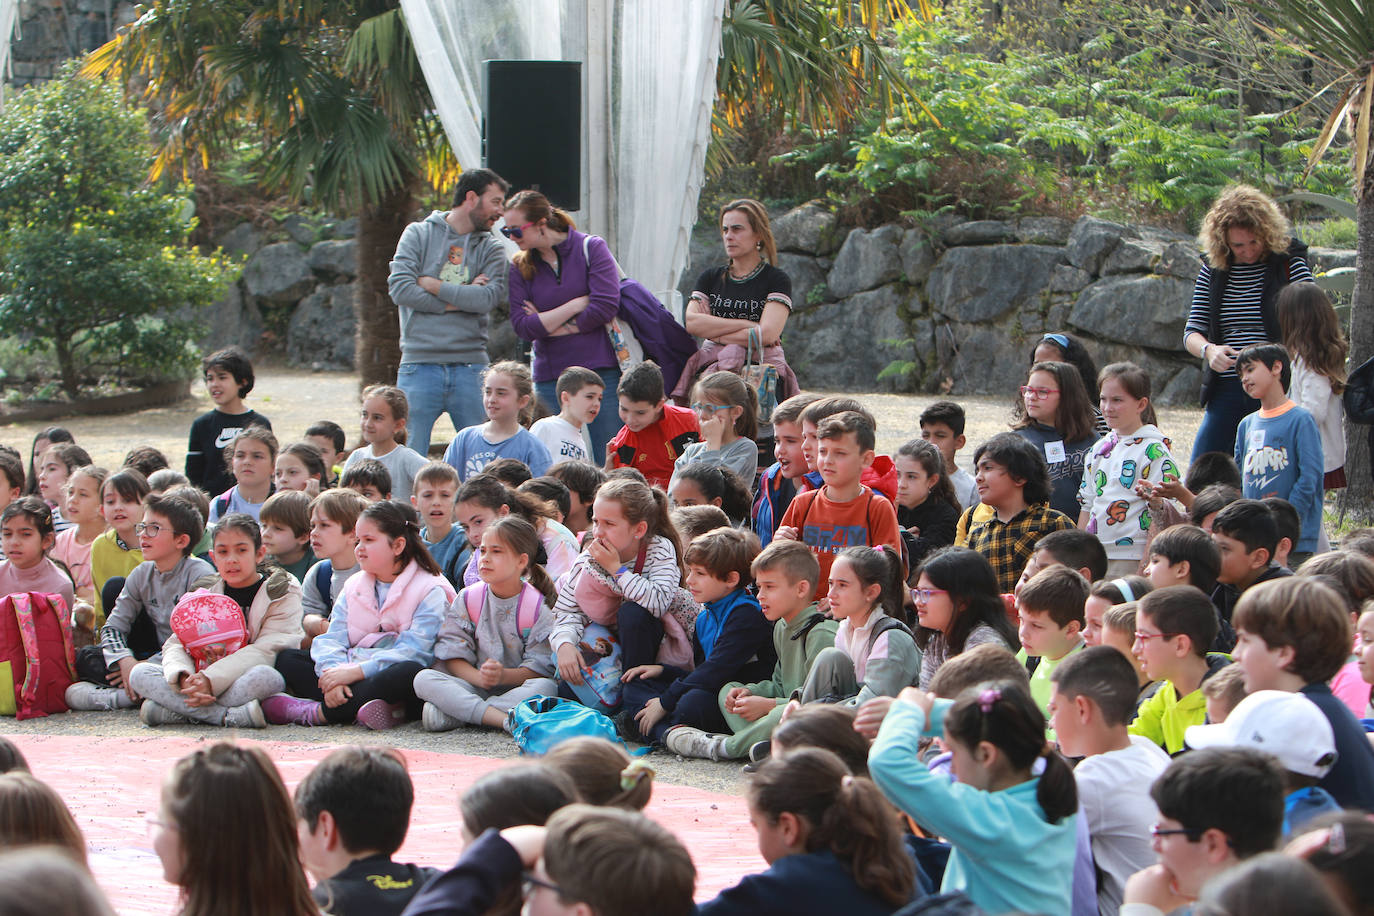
x,y
466,702
831,678
257,683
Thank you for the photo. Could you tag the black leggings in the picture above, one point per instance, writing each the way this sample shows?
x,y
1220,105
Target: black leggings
x,y
394,684
141,639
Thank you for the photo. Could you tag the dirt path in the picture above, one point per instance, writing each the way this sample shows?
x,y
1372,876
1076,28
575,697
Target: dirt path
x,y
293,399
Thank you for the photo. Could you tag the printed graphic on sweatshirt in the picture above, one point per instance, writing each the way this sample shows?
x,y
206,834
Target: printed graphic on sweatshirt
x,y
1264,466
834,538
455,271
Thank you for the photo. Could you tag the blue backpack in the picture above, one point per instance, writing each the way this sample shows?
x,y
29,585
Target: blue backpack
x,y
540,723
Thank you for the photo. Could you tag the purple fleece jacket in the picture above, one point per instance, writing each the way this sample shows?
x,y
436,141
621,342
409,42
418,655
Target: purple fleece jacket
x,y
600,280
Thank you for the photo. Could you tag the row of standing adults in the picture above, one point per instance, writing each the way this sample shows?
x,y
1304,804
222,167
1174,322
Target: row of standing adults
x,y
563,287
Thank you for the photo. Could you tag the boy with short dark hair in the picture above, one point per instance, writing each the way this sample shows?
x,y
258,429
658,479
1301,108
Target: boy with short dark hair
x,y
1092,702
1279,446
368,477
1294,635
779,481
552,491
169,530
843,512
1051,625
329,438
785,575
285,521
1072,548
881,476
1184,555
655,432
1246,536
354,811
1209,502
434,496
567,435
942,423
732,642
510,471
1174,627
228,377
582,480
1217,807
333,516
145,459
1289,523
1014,483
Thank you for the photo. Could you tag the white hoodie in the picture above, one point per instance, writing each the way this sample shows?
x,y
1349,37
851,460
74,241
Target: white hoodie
x,y
1115,464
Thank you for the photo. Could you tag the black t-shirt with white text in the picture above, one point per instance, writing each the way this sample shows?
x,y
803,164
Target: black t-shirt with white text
x,y
744,299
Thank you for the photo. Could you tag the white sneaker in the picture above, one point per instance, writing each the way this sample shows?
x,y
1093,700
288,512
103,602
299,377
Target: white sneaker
x,y
153,715
84,696
249,715
434,719
693,742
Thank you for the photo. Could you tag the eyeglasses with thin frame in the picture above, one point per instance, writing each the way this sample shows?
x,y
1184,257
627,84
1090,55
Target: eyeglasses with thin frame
x,y
1157,831
1146,637
922,595
529,882
1037,394
152,529
517,232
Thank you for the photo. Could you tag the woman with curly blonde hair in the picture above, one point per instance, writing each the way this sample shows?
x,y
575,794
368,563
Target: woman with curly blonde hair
x,y
1248,257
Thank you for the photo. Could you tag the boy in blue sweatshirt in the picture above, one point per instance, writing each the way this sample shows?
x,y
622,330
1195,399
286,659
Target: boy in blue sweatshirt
x,y
1279,447
731,640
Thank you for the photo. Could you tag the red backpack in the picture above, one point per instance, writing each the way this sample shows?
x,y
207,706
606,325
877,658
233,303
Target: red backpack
x,y
36,647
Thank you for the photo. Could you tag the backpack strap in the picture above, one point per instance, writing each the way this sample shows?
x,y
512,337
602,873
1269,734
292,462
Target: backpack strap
x,y
806,512
473,598
324,580
222,502
528,609
640,557
805,631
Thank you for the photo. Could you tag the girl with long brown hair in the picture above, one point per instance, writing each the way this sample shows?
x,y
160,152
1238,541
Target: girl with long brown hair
x,y
1311,330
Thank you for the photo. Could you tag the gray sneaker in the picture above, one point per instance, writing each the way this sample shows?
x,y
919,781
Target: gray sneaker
x,y
153,715
249,715
434,719
84,696
693,742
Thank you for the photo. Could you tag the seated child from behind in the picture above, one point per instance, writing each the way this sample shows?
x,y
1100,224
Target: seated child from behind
x,y
691,521
1223,691
285,521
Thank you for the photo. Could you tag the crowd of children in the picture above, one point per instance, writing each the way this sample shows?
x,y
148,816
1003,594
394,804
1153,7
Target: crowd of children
x,y
1090,683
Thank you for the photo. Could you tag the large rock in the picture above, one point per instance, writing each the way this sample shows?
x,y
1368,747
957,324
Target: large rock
x,y
232,321
1322,259
299,229
279,273
808,279
1180,259
918,256
866,260
1145,311
1181,390
983,283
979,232
347,229
242,241
320,334
1091,240
1069,279
978,359
808,229
844,345
1044,230
1133,256
336,259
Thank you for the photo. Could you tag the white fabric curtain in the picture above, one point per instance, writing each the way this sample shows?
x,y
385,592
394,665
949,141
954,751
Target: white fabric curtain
x,y
9,20
662,86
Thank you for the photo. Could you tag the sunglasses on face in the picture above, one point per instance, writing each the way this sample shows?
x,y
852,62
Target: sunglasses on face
x,y
516,232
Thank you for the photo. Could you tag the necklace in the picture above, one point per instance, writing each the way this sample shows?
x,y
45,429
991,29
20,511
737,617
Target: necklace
x,y
758,269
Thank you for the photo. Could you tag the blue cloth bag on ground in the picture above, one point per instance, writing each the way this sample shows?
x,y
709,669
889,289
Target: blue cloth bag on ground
x,y
540,723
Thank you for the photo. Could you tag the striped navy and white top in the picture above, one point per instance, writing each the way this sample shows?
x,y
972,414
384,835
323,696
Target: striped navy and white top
x,y
1241,322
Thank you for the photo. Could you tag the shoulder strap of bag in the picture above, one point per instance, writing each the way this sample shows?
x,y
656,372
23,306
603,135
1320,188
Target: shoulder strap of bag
x,y
58,608
641,556
528,608
473,597
222,502
324,580
806,512
26,695
586,256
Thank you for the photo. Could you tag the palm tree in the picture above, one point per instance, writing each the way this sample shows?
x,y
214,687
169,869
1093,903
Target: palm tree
x,y
1341,33
333,94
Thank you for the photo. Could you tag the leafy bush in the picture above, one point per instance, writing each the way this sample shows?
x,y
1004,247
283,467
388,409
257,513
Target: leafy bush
x,y
90,257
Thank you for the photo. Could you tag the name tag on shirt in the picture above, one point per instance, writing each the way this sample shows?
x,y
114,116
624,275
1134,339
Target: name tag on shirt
x,y
1256,439
1054,452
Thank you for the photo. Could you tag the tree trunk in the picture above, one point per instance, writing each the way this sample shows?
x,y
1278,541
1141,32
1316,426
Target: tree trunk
x,y
1357,499
377,351
66,365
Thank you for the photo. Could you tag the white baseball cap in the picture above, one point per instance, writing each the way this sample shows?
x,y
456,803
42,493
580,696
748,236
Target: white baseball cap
x,y
1287,725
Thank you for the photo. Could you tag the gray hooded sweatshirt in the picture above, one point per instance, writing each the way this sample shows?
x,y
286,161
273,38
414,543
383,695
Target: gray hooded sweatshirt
x,y
429,332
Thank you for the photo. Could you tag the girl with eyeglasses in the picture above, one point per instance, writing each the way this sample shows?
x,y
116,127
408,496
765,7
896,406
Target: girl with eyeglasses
x,y
958,606
1052,412
727,412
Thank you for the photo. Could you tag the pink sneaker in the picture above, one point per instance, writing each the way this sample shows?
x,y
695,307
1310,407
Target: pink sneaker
x,y
284,709
379,714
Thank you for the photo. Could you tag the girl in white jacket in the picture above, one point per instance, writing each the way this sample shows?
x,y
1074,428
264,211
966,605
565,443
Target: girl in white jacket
x,y
1312,333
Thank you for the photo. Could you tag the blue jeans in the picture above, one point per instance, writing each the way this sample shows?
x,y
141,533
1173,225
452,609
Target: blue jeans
x,y
1228,406
432,388
607,422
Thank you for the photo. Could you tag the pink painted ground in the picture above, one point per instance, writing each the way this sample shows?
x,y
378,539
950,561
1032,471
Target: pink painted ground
x,y
714,827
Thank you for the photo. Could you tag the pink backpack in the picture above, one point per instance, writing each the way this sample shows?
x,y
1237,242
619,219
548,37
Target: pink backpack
x,y
37,656
527,607
205,620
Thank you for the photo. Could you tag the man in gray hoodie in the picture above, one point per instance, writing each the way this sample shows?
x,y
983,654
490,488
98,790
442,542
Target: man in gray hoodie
x,y
448,273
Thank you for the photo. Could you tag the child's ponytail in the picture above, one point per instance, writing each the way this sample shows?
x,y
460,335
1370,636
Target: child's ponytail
x,y
846,815
1003,714
883,565
519,536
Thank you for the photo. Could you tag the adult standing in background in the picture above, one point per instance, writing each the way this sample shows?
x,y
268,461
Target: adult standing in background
x,y
564,290
1248,257
447,276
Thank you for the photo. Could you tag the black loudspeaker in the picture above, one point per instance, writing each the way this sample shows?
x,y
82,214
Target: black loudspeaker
x,y
532,127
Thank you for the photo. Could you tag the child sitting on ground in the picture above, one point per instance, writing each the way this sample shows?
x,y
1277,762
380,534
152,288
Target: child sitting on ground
x,y
228,378
603,773
581,479
958,608
927,509
1223,692
727,417
1106,594
368,477
115,553
381,632
1092,700
874,652
329,438
701,483
252,457
567,436
1290,532
655,432
333,515
222,683
691,521
1051,609
55,466
26,531
780,481
435,498
385,410
285,523
1184,555
73,547
1246,536
300,466
784,578
494,644
171,526
1118,632
942,423
354,811
1294,635
1174,627
677,705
